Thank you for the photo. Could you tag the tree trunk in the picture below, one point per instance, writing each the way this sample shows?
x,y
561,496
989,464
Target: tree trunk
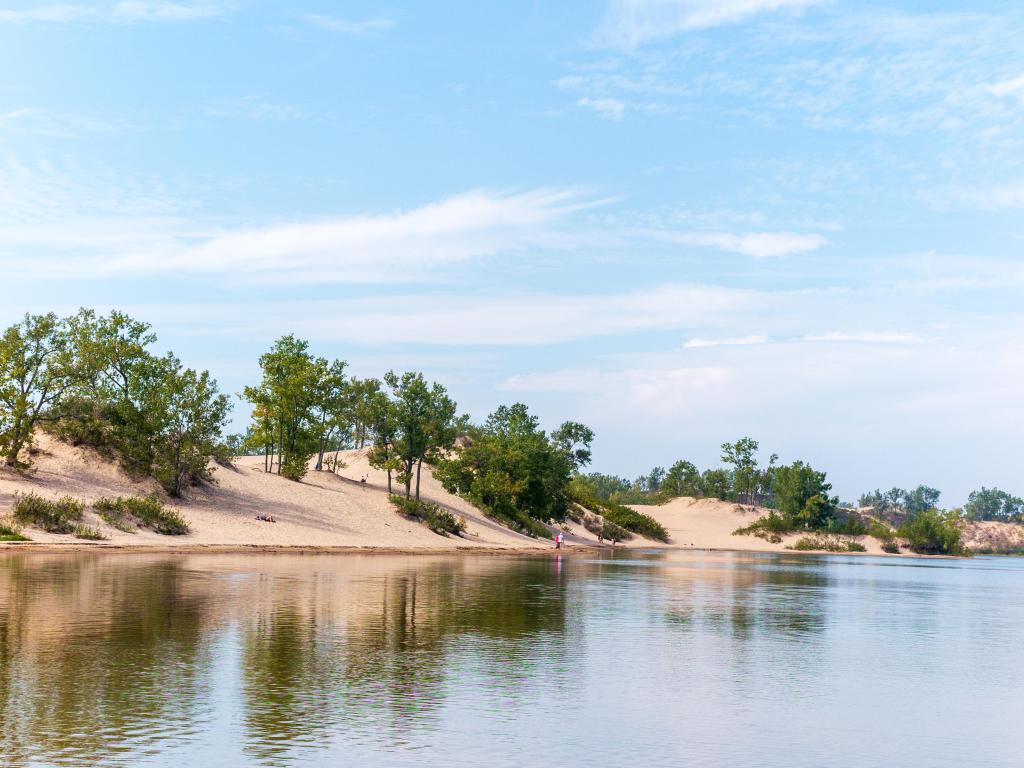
x,y
266,456
389,481
419,466
280,444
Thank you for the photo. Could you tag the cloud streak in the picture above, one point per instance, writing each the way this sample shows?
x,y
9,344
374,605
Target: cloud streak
x,y
124,12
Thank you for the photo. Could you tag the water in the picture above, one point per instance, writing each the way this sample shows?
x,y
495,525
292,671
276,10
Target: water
x,y
651,659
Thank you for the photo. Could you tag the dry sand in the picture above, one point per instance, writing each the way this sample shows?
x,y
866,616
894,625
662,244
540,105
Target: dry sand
x,y
335,511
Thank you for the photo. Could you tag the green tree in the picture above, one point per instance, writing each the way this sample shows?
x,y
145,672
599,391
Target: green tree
x,y
802,496
994,504
511,470
742,456
36,370
427,424
381,418
332,405
190,414
682,479
286,397
716,484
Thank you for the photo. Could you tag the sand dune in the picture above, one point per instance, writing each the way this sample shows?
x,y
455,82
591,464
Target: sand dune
x,y
339,510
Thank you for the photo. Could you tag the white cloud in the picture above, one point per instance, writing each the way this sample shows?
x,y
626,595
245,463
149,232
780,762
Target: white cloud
x,y
867,337
355,28
124,12
739,341
255,109
1003,88
759,245
630,23
612,109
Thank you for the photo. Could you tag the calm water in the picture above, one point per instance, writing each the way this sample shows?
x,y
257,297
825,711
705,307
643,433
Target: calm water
x,y
681,659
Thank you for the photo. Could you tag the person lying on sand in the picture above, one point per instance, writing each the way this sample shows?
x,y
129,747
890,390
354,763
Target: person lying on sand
x,y
266,518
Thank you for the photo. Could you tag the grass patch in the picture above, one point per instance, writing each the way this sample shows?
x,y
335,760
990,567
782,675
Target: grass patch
x,y
11,531
890,547
143,511
87,532
52,516
440,521
827,543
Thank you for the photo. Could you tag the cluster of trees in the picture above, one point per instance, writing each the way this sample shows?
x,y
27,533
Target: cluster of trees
x,y
94,380
514,471
306,407
994,504
898,504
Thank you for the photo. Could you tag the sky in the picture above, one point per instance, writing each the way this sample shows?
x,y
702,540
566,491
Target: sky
x,y
677,221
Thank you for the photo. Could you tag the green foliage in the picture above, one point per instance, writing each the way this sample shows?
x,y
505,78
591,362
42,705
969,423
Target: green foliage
x,y
827,543
994,504
144,511
36,370
891,547
881,531
581,492
53,516
87,532
771,528
933,532
683,479
512,471
11,531
439,520
605,529
426,425
801,496
898,503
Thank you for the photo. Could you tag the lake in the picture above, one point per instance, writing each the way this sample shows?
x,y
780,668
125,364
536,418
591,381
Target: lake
x,y
632,659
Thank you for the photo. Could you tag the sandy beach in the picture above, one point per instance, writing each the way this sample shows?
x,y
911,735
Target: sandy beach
x,y
337,512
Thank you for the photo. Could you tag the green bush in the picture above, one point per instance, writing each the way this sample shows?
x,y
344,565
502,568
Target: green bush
x,y
11,531
631,520
827,543
891,547
879,530
52,516
440,521
770,528
144,511
83,531
933,532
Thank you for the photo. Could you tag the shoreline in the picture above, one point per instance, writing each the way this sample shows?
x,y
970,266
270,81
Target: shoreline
x,y
46,547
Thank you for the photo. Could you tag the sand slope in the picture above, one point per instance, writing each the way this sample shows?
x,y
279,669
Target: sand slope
x,y
338,510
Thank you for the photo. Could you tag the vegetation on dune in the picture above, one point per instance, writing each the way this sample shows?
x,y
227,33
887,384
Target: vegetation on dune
x,y
513,471
128,512
439,520
994,504
92,380
58,516
933,532
87,532
11,531
582,493
827,543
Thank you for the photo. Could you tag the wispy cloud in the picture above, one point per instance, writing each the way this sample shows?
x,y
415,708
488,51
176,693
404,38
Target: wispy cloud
x,y
867,337
1003,88
612,109
255,109
124,12
629,23
759,245
739,341
354,27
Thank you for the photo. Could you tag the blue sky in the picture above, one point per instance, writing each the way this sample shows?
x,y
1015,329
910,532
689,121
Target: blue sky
x,y
679,221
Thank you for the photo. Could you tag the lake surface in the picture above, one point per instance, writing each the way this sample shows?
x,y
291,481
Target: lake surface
x,y
649,659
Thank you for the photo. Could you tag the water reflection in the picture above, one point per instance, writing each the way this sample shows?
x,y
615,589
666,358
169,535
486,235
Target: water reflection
x,y
279,660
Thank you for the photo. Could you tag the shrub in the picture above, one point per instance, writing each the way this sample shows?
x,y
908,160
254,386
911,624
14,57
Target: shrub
x,y
440,521
881,531
615,532
827,543
11,531
145,511
52,516
770,528
83,531
891,547
933,532
631,520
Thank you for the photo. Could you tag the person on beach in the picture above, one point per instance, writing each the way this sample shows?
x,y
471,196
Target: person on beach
x,y
558,540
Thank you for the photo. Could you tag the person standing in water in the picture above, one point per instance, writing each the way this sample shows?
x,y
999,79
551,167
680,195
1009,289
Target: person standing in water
x,y
558,540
